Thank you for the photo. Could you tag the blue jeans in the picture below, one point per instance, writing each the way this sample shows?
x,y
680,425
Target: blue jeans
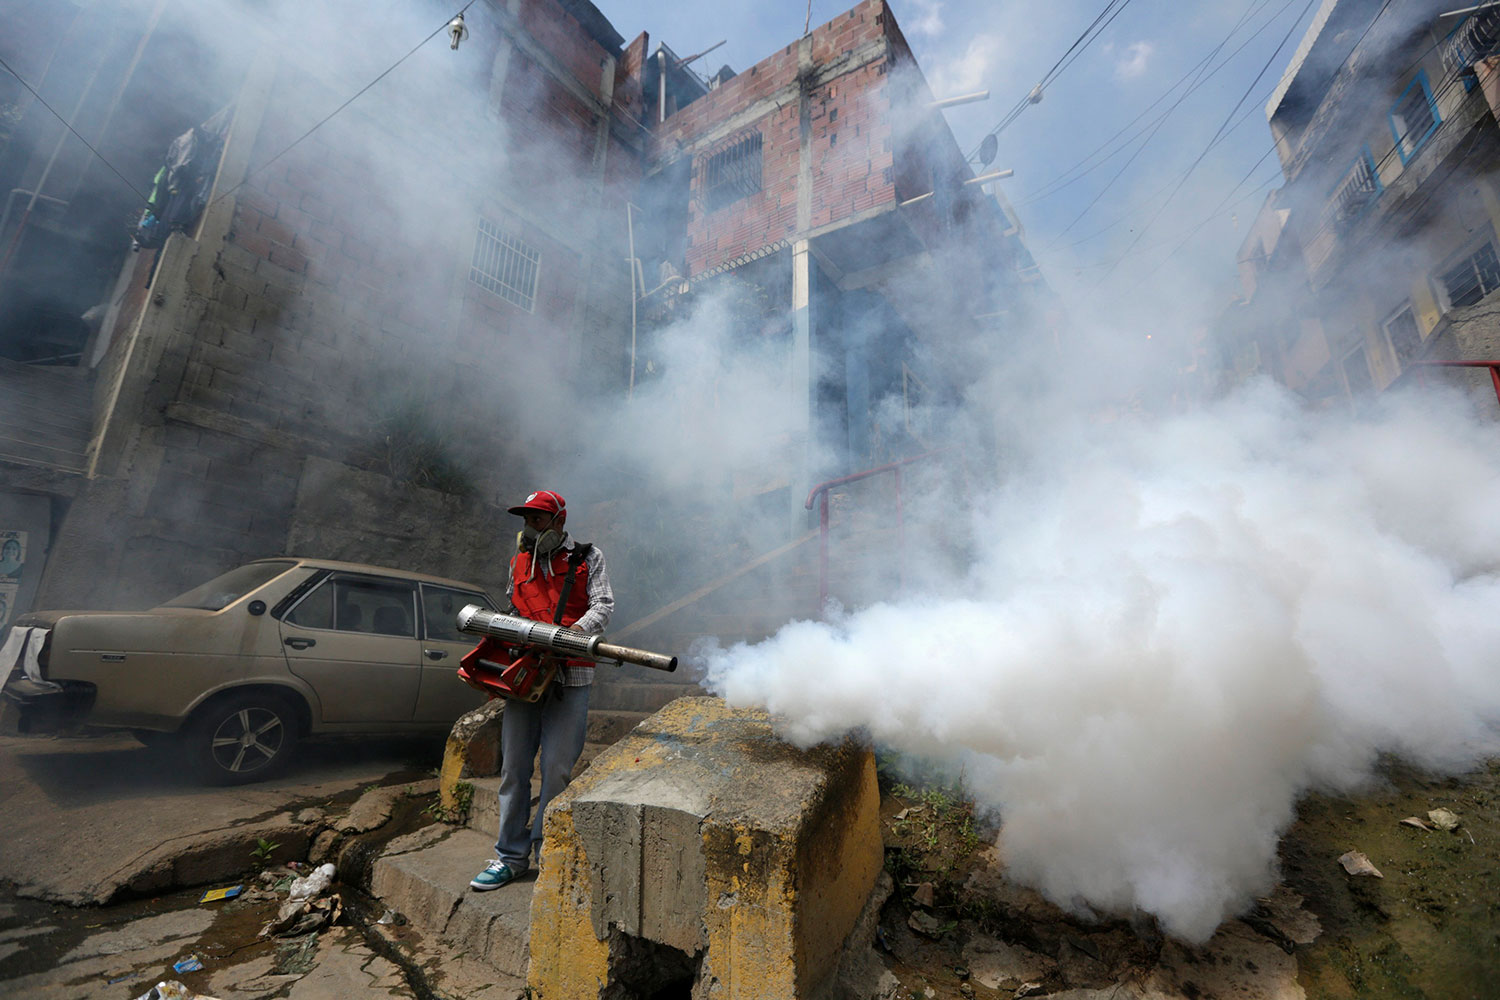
x,y
557,725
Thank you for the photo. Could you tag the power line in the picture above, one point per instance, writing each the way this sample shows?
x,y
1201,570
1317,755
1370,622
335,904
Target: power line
x,y
69,126
359,93
1220,131
1453,79
1096,27
1154,194
1064,180
1161,119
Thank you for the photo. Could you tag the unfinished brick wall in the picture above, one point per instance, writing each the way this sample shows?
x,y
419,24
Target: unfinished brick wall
x,y
850,138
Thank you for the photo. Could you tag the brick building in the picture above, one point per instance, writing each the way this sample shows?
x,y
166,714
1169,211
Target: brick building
x,y
319,360
1378,253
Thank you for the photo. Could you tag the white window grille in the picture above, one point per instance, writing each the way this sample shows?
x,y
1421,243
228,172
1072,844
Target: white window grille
x,y
506,265
733,173
1404,334
1472,278
1413,117
1475,37
1357,191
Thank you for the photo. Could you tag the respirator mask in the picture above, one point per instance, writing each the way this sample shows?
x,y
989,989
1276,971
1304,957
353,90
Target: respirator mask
x,y
541,543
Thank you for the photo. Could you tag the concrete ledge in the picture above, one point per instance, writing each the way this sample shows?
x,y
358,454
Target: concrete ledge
x,y
425,877
703,853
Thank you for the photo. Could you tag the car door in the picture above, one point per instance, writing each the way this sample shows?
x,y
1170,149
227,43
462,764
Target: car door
x,y
353,638
443,697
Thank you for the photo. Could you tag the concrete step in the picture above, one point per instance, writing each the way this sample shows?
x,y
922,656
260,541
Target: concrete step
x,y
484,808
425,877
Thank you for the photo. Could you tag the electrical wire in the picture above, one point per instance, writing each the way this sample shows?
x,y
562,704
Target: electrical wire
x,y
1160,190
1453,79
356,96
1096,27
1064,180
1162,118
69,126
1220,131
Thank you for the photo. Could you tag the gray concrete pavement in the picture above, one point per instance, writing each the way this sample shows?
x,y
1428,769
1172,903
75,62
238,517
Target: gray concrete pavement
x,y
82,818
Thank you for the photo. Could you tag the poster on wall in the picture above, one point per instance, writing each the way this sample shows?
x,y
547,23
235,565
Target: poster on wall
x,y
12,561
12,555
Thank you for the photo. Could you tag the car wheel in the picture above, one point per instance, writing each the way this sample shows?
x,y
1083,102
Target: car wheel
x,y
242,738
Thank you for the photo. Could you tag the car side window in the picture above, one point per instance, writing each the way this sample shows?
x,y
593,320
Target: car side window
x,y
378,607
440,608
314,610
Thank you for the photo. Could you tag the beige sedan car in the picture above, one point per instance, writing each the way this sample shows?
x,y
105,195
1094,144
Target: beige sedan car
x,y
234,672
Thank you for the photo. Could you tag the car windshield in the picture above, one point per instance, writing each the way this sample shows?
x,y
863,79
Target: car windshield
x,y
222,591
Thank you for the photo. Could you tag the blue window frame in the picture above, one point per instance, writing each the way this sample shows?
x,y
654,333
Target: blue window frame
x,y
1414,117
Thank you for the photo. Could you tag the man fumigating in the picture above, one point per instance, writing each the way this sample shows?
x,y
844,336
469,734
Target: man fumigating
x,y
557,580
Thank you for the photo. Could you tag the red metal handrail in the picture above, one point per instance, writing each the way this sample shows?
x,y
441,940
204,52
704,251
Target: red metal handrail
x,y
1493,366
894,468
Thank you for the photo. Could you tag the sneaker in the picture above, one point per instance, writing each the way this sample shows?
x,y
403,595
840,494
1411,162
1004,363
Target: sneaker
x,y
495,874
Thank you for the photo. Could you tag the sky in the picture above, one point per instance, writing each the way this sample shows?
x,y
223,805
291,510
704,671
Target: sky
x,y
1007,47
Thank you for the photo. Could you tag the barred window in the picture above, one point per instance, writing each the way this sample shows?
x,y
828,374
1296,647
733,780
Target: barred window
x,y
1413,117
1472,278
1357,372
1359,188
1406,337
506,265
733,173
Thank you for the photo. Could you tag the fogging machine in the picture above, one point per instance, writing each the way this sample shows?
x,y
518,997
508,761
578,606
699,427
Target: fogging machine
x,y
518,657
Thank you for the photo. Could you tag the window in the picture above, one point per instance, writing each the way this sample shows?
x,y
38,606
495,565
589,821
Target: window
x,y
732,173
1414,117
1405,337
1357,190
506,265
1472,278
440,608
1357,372
222,591
359,604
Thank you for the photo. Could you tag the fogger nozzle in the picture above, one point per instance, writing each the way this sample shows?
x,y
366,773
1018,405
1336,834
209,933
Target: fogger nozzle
x,y
476,620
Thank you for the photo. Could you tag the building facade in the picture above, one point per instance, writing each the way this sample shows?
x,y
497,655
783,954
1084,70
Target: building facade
x,y
331,352
1378,252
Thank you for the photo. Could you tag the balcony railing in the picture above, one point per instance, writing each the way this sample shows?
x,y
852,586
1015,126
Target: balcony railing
x,y
1477,36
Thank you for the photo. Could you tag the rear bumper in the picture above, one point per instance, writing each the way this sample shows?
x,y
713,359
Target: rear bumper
x,y
40,710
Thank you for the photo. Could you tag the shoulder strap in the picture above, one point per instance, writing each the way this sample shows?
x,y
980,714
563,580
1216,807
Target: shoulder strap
x,y
575,559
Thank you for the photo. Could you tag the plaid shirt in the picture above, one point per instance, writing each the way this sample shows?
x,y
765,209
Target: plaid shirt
x,y
601,606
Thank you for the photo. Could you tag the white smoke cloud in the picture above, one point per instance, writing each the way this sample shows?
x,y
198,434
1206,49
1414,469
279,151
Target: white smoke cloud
x,y
922,17
1133,60
1172,628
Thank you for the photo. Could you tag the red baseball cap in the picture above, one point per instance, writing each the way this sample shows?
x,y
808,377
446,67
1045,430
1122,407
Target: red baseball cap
x,y
544,501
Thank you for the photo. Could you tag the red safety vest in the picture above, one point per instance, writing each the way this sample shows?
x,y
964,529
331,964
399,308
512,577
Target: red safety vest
x,y
536,598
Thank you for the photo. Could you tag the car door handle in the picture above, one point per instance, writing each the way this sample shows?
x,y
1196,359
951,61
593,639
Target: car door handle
x,y
298,642
437,654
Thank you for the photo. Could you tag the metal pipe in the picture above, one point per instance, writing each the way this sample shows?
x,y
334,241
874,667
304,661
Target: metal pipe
x,y
950,102
559,639
634,263
661,84
994,175
900,536
823,557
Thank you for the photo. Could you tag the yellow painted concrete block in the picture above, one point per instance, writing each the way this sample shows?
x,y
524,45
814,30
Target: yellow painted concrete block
x,y
703,849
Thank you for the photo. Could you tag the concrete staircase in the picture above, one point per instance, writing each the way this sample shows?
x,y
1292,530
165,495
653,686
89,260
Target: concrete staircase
x,y
46,414
425,875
